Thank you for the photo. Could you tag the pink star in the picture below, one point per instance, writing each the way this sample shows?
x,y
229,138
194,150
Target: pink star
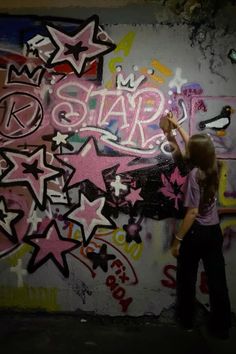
x,y
88,165
31,170
79,48
89,216
52,246
134,195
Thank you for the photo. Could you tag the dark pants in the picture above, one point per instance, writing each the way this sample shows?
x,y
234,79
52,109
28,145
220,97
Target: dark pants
x,y
203,242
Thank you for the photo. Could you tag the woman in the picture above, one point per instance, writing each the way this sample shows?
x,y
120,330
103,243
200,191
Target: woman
x,y
199,236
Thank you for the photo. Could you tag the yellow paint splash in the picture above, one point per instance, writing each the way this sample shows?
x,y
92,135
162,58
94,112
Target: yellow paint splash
x,y
134,249
225,201
227,223
18,254
29,298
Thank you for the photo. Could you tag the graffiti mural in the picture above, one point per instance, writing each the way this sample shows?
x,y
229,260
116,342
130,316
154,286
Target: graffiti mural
x,y
218,120
90,187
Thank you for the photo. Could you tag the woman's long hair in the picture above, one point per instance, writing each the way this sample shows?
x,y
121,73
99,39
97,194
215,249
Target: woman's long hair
x,y
201,154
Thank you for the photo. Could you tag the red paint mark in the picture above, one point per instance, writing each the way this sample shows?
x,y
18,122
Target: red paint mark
x,y
171,281
118,292
127,260
203,283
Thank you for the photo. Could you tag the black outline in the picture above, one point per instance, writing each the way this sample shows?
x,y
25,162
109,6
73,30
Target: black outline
x,y
25,71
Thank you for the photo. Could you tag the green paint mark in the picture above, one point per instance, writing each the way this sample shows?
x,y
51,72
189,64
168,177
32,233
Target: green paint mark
x,y
92,103
76,139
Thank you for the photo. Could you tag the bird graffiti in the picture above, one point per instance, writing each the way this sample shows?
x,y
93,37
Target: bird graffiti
x,y
218,123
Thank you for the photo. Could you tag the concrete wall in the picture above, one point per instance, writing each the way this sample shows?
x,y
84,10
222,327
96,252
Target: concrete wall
x,y
89,190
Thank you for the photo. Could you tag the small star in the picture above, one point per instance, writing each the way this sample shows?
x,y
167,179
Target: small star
x,y
75,49
134,195
132,231
101,259
32,168
60,138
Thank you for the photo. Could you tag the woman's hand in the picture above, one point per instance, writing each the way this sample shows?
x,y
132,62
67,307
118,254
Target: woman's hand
x,y
173,120
165,124
175,247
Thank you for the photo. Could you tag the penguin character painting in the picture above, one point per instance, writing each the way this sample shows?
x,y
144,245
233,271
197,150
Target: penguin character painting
x,y
218,123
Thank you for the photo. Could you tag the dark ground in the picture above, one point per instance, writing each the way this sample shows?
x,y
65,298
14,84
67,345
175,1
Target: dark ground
x,y
45,333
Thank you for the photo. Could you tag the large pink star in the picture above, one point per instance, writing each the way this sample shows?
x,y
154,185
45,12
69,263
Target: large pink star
x,y
79,48
88,165
30,170
52,246
89,216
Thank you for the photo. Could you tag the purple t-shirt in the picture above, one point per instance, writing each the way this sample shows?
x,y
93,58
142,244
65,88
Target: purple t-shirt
x,y
208,214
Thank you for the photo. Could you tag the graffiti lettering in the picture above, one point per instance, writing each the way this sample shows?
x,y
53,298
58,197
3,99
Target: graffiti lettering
x,y
170,273
134,249
125,108
118,292
124,45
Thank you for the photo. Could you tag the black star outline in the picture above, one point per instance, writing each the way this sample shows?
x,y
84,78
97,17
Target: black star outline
x,y
58,172
75,49
110,46
32,168
101,259
32,266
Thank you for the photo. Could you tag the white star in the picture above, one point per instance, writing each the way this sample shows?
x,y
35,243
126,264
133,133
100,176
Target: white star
x,y
79,48
60,138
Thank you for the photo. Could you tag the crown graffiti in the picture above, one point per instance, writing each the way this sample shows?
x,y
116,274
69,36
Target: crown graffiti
x,y
25,76
129,83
